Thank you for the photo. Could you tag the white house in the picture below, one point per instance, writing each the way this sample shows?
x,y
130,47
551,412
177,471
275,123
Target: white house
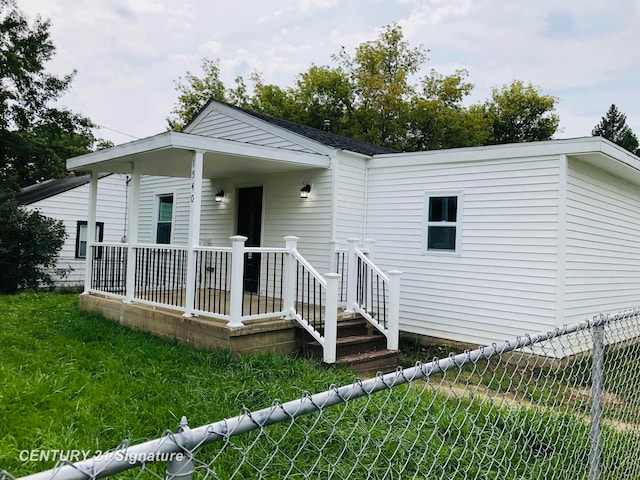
x,y
66,199
492,241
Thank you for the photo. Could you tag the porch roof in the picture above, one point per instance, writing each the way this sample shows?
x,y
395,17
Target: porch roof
x,y
170,153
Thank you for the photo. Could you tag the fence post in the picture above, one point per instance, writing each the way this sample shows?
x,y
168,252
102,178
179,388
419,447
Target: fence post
x,y
597,386
352,275
331,318
237,280
393,327
181,467
291,244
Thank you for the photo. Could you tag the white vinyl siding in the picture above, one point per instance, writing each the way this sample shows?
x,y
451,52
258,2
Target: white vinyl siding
x,y
350,196
150,189
284,212
219,125
603,253
73,206
504,281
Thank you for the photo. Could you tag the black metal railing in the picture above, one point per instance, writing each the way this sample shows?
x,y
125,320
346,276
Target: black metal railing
x,y
161,275
213,281
263,282
371,292
109,268
308,299
342,267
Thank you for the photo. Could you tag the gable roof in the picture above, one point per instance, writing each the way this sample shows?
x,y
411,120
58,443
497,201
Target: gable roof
x,y
49,188
326,138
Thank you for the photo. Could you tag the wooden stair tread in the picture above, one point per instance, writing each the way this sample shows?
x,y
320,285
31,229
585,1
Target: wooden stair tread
x,y
353,339
359,357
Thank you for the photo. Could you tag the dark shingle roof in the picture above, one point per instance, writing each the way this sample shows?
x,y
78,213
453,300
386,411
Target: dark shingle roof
x,y
48,188
326,138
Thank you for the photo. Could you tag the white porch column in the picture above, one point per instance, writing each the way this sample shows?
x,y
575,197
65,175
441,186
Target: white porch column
x,y
194,230
132,231
291,244
393,326
237,280
352,274
91,229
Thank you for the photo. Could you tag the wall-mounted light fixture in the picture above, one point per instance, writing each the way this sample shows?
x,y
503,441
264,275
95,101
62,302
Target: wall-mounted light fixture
x,y
305,190
219,196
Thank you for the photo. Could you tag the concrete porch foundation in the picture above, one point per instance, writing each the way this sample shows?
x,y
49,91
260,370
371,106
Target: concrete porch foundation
x,y
256,336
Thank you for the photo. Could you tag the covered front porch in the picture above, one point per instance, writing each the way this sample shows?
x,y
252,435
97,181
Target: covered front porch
x,y
242,282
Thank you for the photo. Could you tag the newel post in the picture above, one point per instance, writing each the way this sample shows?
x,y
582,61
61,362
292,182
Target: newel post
x,y
331,318
393,327
352,274
237,280
291,244
369,246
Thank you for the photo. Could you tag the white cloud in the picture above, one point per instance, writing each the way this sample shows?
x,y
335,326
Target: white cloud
x,y
306,5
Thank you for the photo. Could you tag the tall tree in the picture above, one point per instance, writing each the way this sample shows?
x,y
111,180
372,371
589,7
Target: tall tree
x,y
35,137
381,72
520,113
194,92
613,126
371,96
438,118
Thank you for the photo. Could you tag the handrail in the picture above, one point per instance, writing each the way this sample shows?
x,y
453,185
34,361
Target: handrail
x,y
310,268
371,265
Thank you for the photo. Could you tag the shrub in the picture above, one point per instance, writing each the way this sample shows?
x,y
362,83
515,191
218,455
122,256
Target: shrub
x,y
29,246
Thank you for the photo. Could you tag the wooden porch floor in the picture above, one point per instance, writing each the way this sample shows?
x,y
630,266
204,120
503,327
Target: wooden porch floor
x,y
218,303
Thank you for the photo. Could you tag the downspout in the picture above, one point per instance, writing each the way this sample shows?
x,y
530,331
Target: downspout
x,y
561,247
366,198
334,165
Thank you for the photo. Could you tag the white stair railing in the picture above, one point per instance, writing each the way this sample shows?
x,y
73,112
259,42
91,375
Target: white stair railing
x,y
368,290
312,299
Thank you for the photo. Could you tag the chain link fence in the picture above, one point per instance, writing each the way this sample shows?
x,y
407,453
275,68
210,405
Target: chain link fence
x,y
553,405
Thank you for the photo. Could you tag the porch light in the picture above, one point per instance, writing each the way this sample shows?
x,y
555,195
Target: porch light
x,y
304,191
219,196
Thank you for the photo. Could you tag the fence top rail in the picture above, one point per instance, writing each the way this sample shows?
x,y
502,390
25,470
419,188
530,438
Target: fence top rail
x,y
310,269
189,439
371,265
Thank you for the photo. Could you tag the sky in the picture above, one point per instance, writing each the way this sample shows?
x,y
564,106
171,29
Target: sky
x,y
128,54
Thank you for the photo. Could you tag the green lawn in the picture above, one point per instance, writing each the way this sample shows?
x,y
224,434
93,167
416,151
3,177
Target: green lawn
x,y
72,380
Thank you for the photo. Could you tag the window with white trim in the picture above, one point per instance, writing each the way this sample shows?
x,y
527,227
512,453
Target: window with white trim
x,y
443,222
164,219
81,237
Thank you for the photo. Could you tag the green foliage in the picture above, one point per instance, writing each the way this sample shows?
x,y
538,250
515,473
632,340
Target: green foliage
x,y
520,113
29,246
35,138
194,92
613,126
372,96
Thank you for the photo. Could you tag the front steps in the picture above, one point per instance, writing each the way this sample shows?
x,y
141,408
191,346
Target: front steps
x,y
360,347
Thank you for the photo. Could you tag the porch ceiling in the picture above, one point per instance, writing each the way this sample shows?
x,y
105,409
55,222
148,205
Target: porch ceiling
x,y
170,153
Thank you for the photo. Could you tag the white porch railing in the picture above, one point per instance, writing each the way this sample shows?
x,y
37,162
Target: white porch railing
x,y
366,289
287,284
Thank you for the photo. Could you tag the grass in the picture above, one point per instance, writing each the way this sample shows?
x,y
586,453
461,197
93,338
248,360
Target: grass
x,y
72,380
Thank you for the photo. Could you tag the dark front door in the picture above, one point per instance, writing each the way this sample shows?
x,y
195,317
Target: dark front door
x,y
249,224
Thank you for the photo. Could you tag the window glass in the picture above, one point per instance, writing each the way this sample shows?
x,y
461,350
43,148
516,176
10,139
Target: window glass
x,y
443,209
442,225
81,237
165,216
